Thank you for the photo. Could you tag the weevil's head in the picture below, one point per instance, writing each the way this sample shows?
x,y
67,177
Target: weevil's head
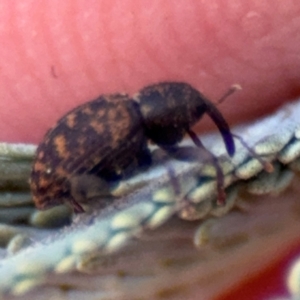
x,y
169,109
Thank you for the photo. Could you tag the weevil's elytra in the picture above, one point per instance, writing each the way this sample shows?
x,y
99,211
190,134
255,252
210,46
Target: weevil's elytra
x,y
106,140
103,137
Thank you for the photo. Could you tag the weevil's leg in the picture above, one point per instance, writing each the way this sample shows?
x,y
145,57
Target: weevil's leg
x,y
174,180
186,153
144,159
78,209
268,167
214,160
85,187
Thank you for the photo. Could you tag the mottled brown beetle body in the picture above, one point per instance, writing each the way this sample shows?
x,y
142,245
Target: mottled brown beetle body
x,y
103,137
105,140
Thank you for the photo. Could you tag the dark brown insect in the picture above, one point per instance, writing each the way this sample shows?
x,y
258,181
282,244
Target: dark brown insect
x,y
169,111
102,141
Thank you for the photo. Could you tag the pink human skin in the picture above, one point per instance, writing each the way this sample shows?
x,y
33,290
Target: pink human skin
x,y
55,55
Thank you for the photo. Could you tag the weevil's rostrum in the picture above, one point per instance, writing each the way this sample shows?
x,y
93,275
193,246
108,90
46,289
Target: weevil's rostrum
x,y
105,140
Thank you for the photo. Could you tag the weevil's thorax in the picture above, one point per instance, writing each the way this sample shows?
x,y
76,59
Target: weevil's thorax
x,y
168,109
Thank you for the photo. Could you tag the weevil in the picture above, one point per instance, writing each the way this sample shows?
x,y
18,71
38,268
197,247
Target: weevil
x,y
95,145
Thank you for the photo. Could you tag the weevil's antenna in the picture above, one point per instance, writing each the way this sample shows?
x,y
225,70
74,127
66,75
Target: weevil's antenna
x,y
268,167
232,89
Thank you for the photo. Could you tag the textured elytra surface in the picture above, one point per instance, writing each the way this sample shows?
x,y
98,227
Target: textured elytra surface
x,y
102,138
